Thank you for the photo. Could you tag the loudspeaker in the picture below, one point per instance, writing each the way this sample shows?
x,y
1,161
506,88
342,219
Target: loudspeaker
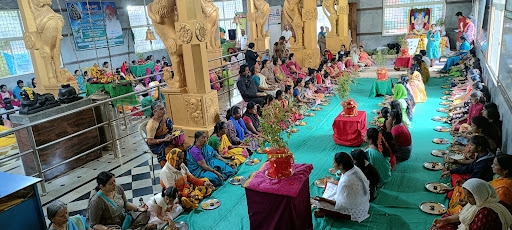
x,y
232,34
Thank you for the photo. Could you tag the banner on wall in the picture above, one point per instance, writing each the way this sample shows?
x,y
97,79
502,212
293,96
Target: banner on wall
x,y
275,15
95,25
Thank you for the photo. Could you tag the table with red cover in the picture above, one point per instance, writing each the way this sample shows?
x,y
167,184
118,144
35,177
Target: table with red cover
x,y
280,203
349,131
403,62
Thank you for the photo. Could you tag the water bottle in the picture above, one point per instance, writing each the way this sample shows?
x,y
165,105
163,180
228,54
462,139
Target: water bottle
x,y
498,152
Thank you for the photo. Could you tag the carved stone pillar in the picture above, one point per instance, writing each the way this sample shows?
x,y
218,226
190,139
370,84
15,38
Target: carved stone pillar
x,y
194,107
258,12
311,53
43,35
343,11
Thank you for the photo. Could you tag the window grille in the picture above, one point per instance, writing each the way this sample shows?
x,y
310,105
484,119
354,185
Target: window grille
x,y
395,14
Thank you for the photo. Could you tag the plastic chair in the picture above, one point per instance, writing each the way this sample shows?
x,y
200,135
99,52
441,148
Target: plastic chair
x,y
142,132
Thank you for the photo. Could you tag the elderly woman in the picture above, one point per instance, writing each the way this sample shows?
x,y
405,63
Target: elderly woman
x,y
204,161
108,207
160,137
190,188
163,208
57,212
352,197
457,56
483,211
220,142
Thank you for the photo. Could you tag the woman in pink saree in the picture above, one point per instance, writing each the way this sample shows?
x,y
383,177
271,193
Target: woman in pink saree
x,y
294,67
364,57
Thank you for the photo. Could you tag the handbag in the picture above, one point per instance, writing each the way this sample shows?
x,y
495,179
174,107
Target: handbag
x,y
127,222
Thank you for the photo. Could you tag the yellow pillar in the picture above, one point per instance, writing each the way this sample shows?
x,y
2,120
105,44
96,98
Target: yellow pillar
x,y
339,35
43,35
258,12
191,104
311,53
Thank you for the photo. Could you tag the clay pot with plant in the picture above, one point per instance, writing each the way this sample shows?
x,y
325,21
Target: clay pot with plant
x,y
343,92
382,72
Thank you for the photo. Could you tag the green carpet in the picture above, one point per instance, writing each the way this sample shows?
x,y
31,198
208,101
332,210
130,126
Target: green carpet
x,y
397,204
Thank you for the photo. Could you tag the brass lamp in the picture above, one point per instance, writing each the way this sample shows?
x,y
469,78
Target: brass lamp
x,y
150,35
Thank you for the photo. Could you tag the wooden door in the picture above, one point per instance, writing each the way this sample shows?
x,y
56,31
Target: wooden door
x,y
352,21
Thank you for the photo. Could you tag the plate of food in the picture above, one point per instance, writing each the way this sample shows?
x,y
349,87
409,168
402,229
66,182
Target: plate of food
x,y
309,114
445,103
443,110
329,94
376,111
292,130
442,129
316,109
300,123
382,104
439,152
439,119
210,204
436,187
465,128
433,166
252,161
237,180
447,98
432,207
324,103
447,92
457,157
441,141
322,182
445,86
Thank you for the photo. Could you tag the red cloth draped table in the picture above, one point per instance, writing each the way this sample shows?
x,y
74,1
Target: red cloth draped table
x,y
403,62
349,131
280,203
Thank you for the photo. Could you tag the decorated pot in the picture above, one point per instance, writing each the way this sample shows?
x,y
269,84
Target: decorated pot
x,y
280,162
404,52
382,74
349,108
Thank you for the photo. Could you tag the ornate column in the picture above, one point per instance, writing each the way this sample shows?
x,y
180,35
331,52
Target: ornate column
x,y
258,12
190,102
337,12
311,53
343,11
43,35
211,16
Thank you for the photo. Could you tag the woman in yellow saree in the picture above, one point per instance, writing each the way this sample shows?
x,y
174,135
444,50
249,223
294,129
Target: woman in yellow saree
x,y
416,86
220,142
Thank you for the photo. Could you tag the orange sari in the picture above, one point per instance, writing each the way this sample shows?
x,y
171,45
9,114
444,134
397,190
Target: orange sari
x,y
503,187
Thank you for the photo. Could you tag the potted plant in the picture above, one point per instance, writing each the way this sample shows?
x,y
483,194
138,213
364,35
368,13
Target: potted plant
x,y
404,47
440,25
382,72
141,60
343,92
274,120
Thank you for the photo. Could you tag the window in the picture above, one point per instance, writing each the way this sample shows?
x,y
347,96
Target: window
x,y
227,10
139,20
496,29
15,58
395,13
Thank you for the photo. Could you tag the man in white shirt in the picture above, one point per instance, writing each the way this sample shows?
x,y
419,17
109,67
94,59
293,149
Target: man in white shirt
x,y
243,40
287,33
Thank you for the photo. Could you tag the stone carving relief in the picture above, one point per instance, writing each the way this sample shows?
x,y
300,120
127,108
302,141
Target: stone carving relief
x,y
212,110
344,10
47,38
292,13
185,33
164,15
261,16
194,111
211,16
310,58
328,6
201,32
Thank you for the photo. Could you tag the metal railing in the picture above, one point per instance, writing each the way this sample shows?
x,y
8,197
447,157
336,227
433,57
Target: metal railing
x,y
113,120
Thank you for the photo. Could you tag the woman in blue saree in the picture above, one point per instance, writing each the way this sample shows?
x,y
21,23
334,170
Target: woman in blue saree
x,y
457,56
58,215
204,161
237,132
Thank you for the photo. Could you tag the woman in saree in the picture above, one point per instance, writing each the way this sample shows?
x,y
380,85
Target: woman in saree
x,y
364,57
191,189
423,68
57,212
400,95
502,166
433,36
277,70
298,94
417,87
204,161
457,56
220,142
483,211
160,137
251,118
475,109
237,131
108,207
294,67
283,102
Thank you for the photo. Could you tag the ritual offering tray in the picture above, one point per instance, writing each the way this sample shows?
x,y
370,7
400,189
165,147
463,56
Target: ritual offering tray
x,y
322,182
439,119
433,166
447,98
445,86
382,104
447,92
329,94
324,103
309,114
436,187
434,208
457,157
300,123
376,111
445,103
441,141
316,109
237,180
253,161
210,204
439,152
443,110
442,129
181,225
293,130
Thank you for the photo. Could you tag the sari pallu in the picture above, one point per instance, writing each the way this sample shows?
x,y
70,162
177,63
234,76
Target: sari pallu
x,y
209,157
238,155
161,131
77,222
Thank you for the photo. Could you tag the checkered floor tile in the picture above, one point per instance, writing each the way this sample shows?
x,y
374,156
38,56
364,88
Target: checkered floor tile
x,y
136,182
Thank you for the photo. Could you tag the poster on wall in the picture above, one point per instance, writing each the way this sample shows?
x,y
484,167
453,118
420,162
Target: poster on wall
x,y
275,15
95,25
419,21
